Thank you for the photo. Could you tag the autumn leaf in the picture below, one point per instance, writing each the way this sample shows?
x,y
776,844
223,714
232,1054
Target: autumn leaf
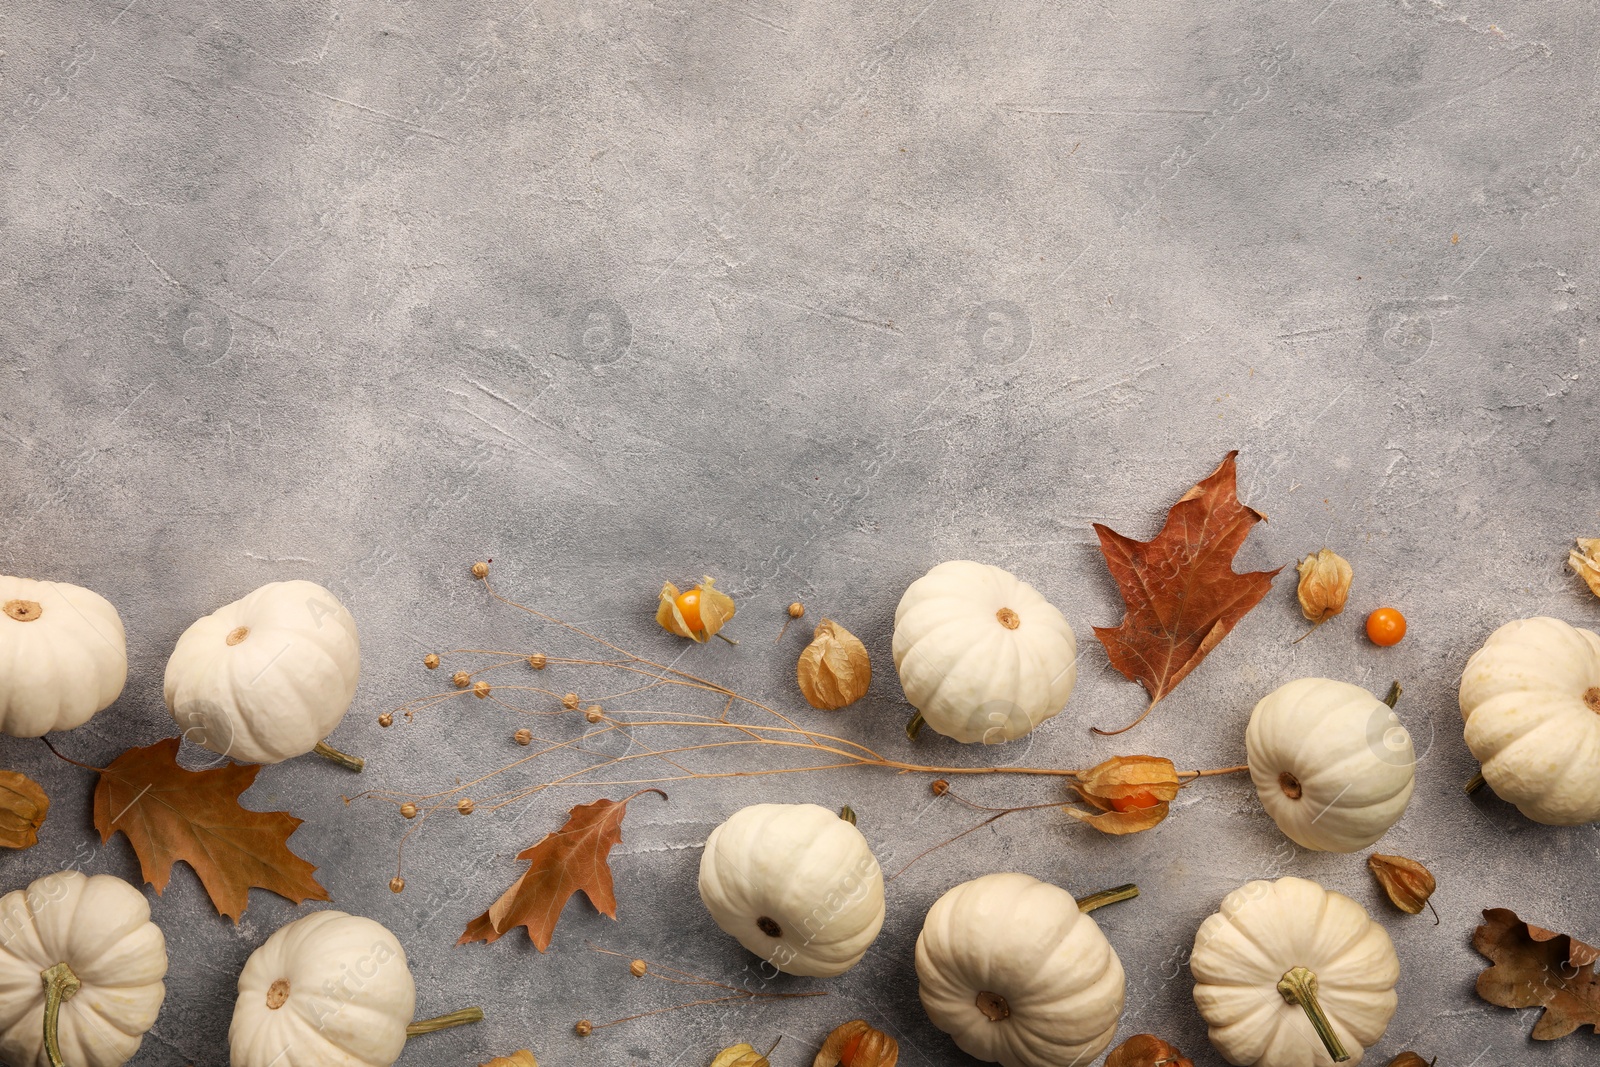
x,y
23,806
1533,968
572,858
170,814
1147,1050
1180,589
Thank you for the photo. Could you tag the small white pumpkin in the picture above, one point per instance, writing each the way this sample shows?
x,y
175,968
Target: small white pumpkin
x,y
981,654
1288,974
89,941
1530,698
1009,967
327,989
267,677
63,656
1331,763
795,884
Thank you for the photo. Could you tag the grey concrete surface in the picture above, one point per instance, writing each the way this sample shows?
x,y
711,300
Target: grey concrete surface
x,y
808,297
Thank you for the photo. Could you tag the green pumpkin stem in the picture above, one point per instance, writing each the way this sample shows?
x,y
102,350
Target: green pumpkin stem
x,y
1476,784
914,727
343,759
445,1022
1394,694
1299,986
60,984
1107,896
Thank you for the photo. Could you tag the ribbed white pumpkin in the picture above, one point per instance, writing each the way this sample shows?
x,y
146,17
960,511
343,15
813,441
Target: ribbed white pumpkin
x,y
981,654
1011,969
1262,932
796,885
267,677
63,656
327,990
100,928
1331,763
1530,698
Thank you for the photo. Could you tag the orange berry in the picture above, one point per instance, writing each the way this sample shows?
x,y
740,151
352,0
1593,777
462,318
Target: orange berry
x,y
1386,627
1135,802
689,607
847,1055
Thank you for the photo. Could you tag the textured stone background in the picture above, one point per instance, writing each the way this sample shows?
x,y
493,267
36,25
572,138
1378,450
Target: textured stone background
x,y
808,297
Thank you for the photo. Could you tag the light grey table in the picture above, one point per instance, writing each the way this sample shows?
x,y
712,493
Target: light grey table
x,y
808,297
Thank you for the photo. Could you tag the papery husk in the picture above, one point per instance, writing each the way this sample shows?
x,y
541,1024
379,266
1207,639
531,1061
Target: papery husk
x,y
1124,778
1585,559
1324,585
834,669
874,1048
23,807
716,608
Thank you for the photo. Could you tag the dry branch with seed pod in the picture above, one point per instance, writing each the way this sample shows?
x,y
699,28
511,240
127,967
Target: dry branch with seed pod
x,y
856,1044
23,806
834,669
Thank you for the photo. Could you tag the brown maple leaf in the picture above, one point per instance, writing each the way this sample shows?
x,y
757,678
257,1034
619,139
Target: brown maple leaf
x,y
1180,588
1535,967
169,814
572,858
1147,1050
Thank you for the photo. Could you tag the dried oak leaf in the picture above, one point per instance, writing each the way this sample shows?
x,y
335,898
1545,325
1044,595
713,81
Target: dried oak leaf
x,y
23,806
1534,967
1147,1050
572,858
1181,592
170,814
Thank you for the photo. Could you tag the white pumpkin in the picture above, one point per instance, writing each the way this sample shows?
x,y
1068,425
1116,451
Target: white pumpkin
x,y
1009,967
267,677
91,939
1530,698
63,656
795,884
1283,963
327,990
981,654
1331,763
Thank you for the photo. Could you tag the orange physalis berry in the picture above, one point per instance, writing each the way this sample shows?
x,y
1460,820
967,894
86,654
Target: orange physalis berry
x,y
688,603
1386,627
1135,802
847,1055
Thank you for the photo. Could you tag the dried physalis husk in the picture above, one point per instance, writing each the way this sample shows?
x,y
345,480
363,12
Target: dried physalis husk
x,y
1129,793
834,669
1324,585
855,1044
1585,559
523,1058
1405,1059
1408,883
740,1056
696,614
1147,1050
23,806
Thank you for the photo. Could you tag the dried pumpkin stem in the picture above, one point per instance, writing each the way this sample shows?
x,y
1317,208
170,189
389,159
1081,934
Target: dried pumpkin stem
x,y
343,759
60,985
914,727
1477,783
848,814
1107,896
445,1022
1299,986
1394,694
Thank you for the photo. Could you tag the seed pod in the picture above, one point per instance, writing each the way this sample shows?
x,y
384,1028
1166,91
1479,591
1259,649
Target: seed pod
x,y
583,1028
834,669
796,610
740,1056
480,570
523,736
465,806
431,661
537,661
23,806
638,968
386,720
1585,560
593,713
480,690
1129,793
570,701
397,884
461,679
1324,585
1408,883
409,810
697,613
1147,1050
855,1044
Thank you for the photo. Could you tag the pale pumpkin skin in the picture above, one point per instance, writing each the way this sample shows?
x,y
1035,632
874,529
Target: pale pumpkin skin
x,y
100,927
343,994
982,654
1345,753
1262,930
1023,940
796,885
1530,699
267,677
63,656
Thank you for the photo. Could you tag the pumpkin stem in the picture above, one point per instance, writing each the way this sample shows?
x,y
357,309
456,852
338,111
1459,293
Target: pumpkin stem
x,y
60,984
1107,896
914,727
343,759
848,814
1394,694
445,1022
1299,986
23,610
1476,784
